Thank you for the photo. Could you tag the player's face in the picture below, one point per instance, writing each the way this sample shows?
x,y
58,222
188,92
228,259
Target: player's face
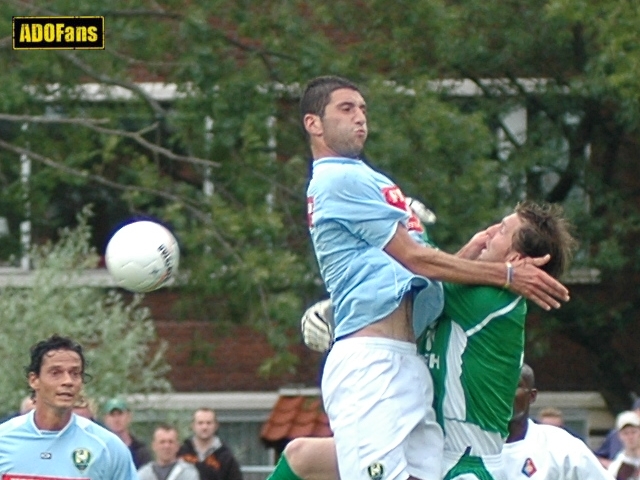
x,y
165,446
344,124
204,425
525,396
59,381
500,240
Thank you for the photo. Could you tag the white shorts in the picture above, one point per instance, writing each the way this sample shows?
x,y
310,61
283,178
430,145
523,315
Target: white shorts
x,y
378,395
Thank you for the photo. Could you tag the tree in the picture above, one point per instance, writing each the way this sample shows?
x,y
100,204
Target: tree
x,y
233,129
122,352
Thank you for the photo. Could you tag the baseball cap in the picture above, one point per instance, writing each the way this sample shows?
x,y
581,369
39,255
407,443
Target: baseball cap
x,y
627,418
116,404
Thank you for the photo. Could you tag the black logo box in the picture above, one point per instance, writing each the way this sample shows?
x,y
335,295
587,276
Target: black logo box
x,y
40,33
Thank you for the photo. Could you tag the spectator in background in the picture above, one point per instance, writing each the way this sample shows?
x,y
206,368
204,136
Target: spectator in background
x,y
86,407
626,464
551,416
611,445
118,419
167,465
206,451
27,404
554,416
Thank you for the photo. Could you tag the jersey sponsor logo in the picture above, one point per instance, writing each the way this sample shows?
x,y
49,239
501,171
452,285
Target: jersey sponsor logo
x,y
529,468
431,360
310,205
375,471
46,455
81,458
394,197
22,476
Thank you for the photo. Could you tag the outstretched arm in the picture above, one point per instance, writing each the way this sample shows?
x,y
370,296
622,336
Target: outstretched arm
x,y
528,280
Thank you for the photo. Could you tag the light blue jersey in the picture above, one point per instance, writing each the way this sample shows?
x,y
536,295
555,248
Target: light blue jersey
x,y
353,212
82,449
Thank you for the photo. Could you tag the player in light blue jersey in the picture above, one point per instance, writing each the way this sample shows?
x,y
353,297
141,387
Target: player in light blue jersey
x,y
384,285
51,442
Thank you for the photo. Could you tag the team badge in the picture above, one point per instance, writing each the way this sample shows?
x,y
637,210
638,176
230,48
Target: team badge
x,y
81,458
529,468
375,471
394,197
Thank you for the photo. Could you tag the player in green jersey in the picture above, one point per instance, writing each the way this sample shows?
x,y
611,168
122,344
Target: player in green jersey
x,y
474,352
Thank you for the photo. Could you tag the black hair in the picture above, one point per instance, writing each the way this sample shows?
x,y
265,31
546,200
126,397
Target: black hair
x,y
317,94
54,342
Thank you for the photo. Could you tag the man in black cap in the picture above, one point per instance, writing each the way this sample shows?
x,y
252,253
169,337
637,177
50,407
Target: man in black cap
x,y
117,418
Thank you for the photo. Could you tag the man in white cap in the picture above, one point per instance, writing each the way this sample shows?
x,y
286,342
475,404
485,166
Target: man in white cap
x,y
611,445
626,465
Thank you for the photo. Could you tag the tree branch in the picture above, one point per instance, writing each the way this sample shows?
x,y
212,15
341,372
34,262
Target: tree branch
x,y
106,79
92,124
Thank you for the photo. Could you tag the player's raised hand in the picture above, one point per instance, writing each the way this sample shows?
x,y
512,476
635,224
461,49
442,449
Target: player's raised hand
x,y
533,283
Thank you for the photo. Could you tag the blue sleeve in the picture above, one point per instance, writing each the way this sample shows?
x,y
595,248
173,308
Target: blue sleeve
x,y
122,466
358,203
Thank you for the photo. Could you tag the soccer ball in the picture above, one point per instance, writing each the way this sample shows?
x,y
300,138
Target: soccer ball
x,y
142,256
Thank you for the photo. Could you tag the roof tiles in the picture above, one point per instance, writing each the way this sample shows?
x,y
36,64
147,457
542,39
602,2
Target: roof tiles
x,y
296,416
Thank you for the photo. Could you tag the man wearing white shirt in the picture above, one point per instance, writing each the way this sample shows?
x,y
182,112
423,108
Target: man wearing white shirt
x,y
626,464
541,452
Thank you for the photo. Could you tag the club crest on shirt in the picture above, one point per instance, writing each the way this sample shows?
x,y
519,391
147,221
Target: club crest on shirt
x,y
529,468
81,458
394,197
375,471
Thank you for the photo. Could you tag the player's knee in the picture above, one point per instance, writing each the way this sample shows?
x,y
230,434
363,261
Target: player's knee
x,y
295,453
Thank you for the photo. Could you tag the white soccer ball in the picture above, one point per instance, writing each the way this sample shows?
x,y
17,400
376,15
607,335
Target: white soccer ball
x,y
142,256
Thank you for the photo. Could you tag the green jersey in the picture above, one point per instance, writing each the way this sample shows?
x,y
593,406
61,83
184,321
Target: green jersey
x,y
475,352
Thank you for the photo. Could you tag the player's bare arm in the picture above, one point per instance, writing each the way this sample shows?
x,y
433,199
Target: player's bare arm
x,y
528,280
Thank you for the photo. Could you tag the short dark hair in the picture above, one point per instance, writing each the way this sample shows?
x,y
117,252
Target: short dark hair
x,y
526,374
54,342
317,94
167,427
545,231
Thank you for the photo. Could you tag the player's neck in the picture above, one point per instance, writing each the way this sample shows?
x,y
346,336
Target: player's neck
x,y
50,419
518,429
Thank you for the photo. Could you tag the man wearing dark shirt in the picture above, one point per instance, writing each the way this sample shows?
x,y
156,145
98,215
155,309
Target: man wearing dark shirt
x,y
212,458
117,418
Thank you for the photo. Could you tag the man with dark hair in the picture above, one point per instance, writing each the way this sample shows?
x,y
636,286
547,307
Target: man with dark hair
x,y
539,451
475,349
51,441
213,459
167,465
384,284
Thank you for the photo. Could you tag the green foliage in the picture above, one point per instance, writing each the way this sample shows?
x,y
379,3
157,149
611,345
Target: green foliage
x,y
122,351
238,68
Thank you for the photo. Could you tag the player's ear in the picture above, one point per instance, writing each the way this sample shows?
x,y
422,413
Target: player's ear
x,y
512,256
312,124
33,380
533,395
